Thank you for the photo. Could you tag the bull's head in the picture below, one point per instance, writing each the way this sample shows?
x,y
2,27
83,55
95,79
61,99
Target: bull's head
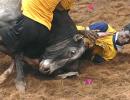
x,y
60,54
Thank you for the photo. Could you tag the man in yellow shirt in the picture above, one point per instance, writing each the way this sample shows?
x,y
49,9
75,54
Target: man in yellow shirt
x,y
34,24
42,10
106,47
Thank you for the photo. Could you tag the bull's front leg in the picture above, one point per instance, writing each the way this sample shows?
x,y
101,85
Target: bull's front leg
x,y
7,73
19,82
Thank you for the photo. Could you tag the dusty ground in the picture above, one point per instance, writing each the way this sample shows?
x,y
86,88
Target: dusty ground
x,y
111,80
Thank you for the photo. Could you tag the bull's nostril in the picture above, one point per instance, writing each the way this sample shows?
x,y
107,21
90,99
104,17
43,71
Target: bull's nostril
x,y
46,69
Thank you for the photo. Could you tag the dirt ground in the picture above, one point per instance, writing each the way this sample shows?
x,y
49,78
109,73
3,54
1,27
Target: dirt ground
x,y
110,80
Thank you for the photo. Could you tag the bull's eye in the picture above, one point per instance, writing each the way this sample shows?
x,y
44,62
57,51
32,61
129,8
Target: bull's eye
x,y
73,52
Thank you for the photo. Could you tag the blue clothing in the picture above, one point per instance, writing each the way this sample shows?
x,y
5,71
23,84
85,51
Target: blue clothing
x,y
101,26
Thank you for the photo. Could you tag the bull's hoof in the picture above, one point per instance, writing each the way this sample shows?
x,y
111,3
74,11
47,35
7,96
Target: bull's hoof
x,y
2,78
20,86
69,74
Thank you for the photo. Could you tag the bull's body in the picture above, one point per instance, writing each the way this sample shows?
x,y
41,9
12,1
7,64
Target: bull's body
x,y
62,50
9,11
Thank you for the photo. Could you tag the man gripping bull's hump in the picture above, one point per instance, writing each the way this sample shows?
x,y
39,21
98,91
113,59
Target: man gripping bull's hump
x,y
34,24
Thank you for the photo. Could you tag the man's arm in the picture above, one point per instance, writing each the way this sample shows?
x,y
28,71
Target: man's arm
x,y
96,33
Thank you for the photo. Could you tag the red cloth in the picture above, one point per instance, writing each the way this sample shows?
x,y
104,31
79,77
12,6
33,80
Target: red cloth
x,y
90,7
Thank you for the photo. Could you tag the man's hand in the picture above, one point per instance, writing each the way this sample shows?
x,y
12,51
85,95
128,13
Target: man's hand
x,y
90,36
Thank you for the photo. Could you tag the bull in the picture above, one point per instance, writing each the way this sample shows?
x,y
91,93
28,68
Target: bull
x,y
62,52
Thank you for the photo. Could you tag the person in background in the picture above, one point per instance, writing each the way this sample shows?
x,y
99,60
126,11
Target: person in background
x,y
106,46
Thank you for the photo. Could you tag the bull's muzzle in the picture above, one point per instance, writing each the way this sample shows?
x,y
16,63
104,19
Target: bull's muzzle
x,y
45,66
48,66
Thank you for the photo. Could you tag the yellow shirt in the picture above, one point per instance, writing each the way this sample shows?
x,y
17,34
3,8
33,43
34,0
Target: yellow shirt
x,y
105,47
111,30
67,4
80,27
40,10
